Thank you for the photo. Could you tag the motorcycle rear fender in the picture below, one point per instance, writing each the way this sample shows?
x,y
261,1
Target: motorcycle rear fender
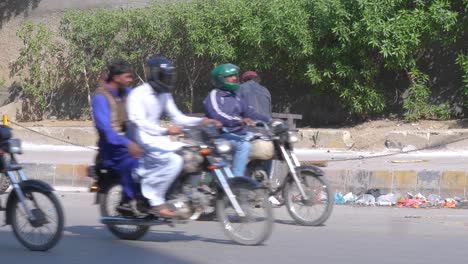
x,y
104,184
316,171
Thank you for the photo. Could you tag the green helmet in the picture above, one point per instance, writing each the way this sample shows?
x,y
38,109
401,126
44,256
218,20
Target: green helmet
x,y
224,70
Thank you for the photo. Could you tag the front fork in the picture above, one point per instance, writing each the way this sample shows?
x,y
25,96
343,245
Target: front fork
x,y
221,175
292,161
19,192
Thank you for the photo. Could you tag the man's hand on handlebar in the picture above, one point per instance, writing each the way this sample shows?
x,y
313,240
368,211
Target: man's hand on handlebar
x,y
174,130
248,122
207,121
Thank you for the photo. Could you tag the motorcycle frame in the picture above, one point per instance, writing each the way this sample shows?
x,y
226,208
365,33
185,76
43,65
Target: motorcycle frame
x,y
9,168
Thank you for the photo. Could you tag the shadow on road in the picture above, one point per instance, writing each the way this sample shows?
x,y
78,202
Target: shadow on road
x,y
151,236
84,245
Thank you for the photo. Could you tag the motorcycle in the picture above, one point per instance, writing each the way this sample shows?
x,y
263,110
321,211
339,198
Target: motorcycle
x,y
303,188
32,208
205,184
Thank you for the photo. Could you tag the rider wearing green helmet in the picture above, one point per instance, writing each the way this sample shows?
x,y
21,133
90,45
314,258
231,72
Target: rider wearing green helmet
x,y
225,105
223,71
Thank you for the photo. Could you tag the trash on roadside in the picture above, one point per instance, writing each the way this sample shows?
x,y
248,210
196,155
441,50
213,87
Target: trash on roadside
x,y
350,198
450,203
366,199
374,192
434,199
408,202
386,199
420,197
339,198
375,197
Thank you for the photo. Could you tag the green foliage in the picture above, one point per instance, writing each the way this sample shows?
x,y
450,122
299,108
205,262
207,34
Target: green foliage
x,y
339,47
417,103
41,65
462,61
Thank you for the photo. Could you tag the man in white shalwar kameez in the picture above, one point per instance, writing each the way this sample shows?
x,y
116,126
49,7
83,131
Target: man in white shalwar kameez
x,y
160,165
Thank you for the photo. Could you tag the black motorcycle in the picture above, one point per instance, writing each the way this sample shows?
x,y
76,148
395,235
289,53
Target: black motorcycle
x,y
32,208
303,189
205,185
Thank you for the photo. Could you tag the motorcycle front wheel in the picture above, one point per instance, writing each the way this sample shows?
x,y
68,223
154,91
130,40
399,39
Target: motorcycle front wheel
x,y
253,228
45,231
316,208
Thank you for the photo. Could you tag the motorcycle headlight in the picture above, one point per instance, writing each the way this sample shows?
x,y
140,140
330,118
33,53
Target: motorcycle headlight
x,y
292,138
14,146
223,146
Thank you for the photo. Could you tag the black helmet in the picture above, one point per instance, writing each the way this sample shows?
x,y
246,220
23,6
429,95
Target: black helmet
x,y
162,75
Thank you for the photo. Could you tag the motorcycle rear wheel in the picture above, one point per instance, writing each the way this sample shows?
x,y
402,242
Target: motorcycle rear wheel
x,y
108,203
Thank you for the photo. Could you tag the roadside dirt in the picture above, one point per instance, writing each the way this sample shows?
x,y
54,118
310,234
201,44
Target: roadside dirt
x,y
366,136
372,134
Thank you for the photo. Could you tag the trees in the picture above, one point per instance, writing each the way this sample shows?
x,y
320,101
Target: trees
x,y
319,47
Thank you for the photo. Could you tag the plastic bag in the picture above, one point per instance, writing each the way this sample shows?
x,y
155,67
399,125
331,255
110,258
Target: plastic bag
x,y
387,199
434,199
366,199
349,198
339,198
449,202
374,192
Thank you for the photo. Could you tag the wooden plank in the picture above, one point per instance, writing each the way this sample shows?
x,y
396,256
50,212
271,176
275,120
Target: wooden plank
x,y
286,116
274,115
291,118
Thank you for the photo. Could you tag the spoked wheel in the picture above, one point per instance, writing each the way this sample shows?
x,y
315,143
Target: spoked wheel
x,y
253,228
46,229
108,204
318,206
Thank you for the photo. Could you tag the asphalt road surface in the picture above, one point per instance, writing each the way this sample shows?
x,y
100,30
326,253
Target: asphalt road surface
x,y
352,235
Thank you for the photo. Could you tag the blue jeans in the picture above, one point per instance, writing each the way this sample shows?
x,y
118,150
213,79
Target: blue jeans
x,y
241,151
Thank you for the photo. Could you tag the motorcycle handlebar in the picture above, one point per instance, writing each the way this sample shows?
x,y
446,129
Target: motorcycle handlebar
x,y
262,124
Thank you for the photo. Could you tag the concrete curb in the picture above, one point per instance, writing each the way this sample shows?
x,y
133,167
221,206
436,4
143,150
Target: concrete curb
x,y
446,183
308,138
60,175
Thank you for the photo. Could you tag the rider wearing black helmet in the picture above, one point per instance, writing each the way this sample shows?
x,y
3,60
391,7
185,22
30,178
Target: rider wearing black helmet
x,y
160,164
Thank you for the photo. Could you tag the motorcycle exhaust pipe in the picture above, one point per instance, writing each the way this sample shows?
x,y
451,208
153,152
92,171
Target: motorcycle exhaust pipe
x,y
114,220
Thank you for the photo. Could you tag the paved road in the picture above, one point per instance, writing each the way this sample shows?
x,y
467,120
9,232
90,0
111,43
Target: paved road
x,y
353,235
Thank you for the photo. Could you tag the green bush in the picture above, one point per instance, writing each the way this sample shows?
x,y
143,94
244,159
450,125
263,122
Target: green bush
x,y
42,66
337,47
